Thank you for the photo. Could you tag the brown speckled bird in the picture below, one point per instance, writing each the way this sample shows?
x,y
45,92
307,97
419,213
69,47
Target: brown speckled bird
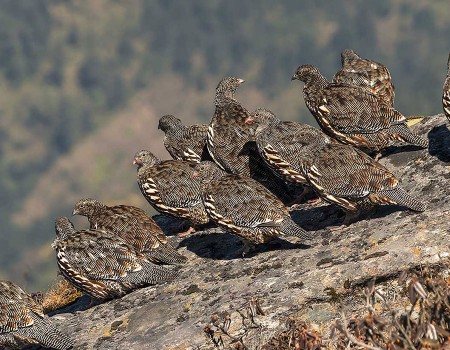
x,y
446,91
230,130
367,74
353,115
133,225
22,321
171,187
184,142
101,264
344,175
280,144
231,140
246,208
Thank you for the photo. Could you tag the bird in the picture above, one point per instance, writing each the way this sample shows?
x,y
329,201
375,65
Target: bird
x,y
446,91
231,140
184,142
353,115
170,187
367,74
246,208
230,130
280,144
22,321
133,225
345,176
101,264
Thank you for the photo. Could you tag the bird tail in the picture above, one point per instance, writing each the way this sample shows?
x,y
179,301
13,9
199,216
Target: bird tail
x,y
46,333
401,197
155,274
407,135
165,254
290,228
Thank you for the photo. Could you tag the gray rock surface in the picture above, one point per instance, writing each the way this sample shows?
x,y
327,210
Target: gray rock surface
x,y
313,282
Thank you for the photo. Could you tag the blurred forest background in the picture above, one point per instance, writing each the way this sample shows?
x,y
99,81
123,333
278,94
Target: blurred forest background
x,y
83,83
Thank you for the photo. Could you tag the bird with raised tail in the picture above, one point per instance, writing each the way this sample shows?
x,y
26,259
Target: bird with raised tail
x,y
354,115
22,321
367,74
133,225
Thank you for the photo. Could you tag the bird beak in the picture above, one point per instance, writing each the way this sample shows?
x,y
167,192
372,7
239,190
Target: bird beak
x,y
75,212
240,81
135,161
249,120
294,77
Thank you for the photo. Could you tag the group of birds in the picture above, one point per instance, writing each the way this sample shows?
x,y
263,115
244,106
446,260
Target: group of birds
x,y
240,172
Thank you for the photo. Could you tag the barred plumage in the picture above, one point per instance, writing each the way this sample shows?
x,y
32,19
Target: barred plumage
x,y
246,208
22,321
353,115
184,142
101,264
281,144
133,225
170,187
446,91
231,140
346,176
367,74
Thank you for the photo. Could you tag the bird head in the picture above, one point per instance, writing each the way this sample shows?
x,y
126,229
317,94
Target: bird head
x,y
87,207
227,87
144,157
308,74
167,122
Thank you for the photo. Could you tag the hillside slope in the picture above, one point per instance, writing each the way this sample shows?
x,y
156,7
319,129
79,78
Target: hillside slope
x,y
313,281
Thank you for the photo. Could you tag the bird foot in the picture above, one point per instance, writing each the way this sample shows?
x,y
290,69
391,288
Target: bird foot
x,y
186,233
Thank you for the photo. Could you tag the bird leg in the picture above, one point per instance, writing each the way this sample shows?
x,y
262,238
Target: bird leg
x,y
186,233
248,247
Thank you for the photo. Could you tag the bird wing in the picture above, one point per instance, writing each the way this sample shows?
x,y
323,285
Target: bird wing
x,y
350,109
16,307
99,255
228,136
174,183
243,202
194,142
345,171
133,225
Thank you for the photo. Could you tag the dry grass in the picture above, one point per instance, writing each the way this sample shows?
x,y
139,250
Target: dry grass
x,y
61,294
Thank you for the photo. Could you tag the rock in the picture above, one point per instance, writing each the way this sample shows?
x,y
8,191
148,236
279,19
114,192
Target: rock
x,y
314,282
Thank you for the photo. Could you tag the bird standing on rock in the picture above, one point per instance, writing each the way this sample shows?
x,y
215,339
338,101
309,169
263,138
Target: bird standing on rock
x,y
170,187
101,264
22,321
184,142
246,208
353,115
344,175
446,92
367,74
133,225
230,131
280,144
231,140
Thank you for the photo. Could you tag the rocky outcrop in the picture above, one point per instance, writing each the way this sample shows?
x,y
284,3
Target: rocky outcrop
x,y
311,280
